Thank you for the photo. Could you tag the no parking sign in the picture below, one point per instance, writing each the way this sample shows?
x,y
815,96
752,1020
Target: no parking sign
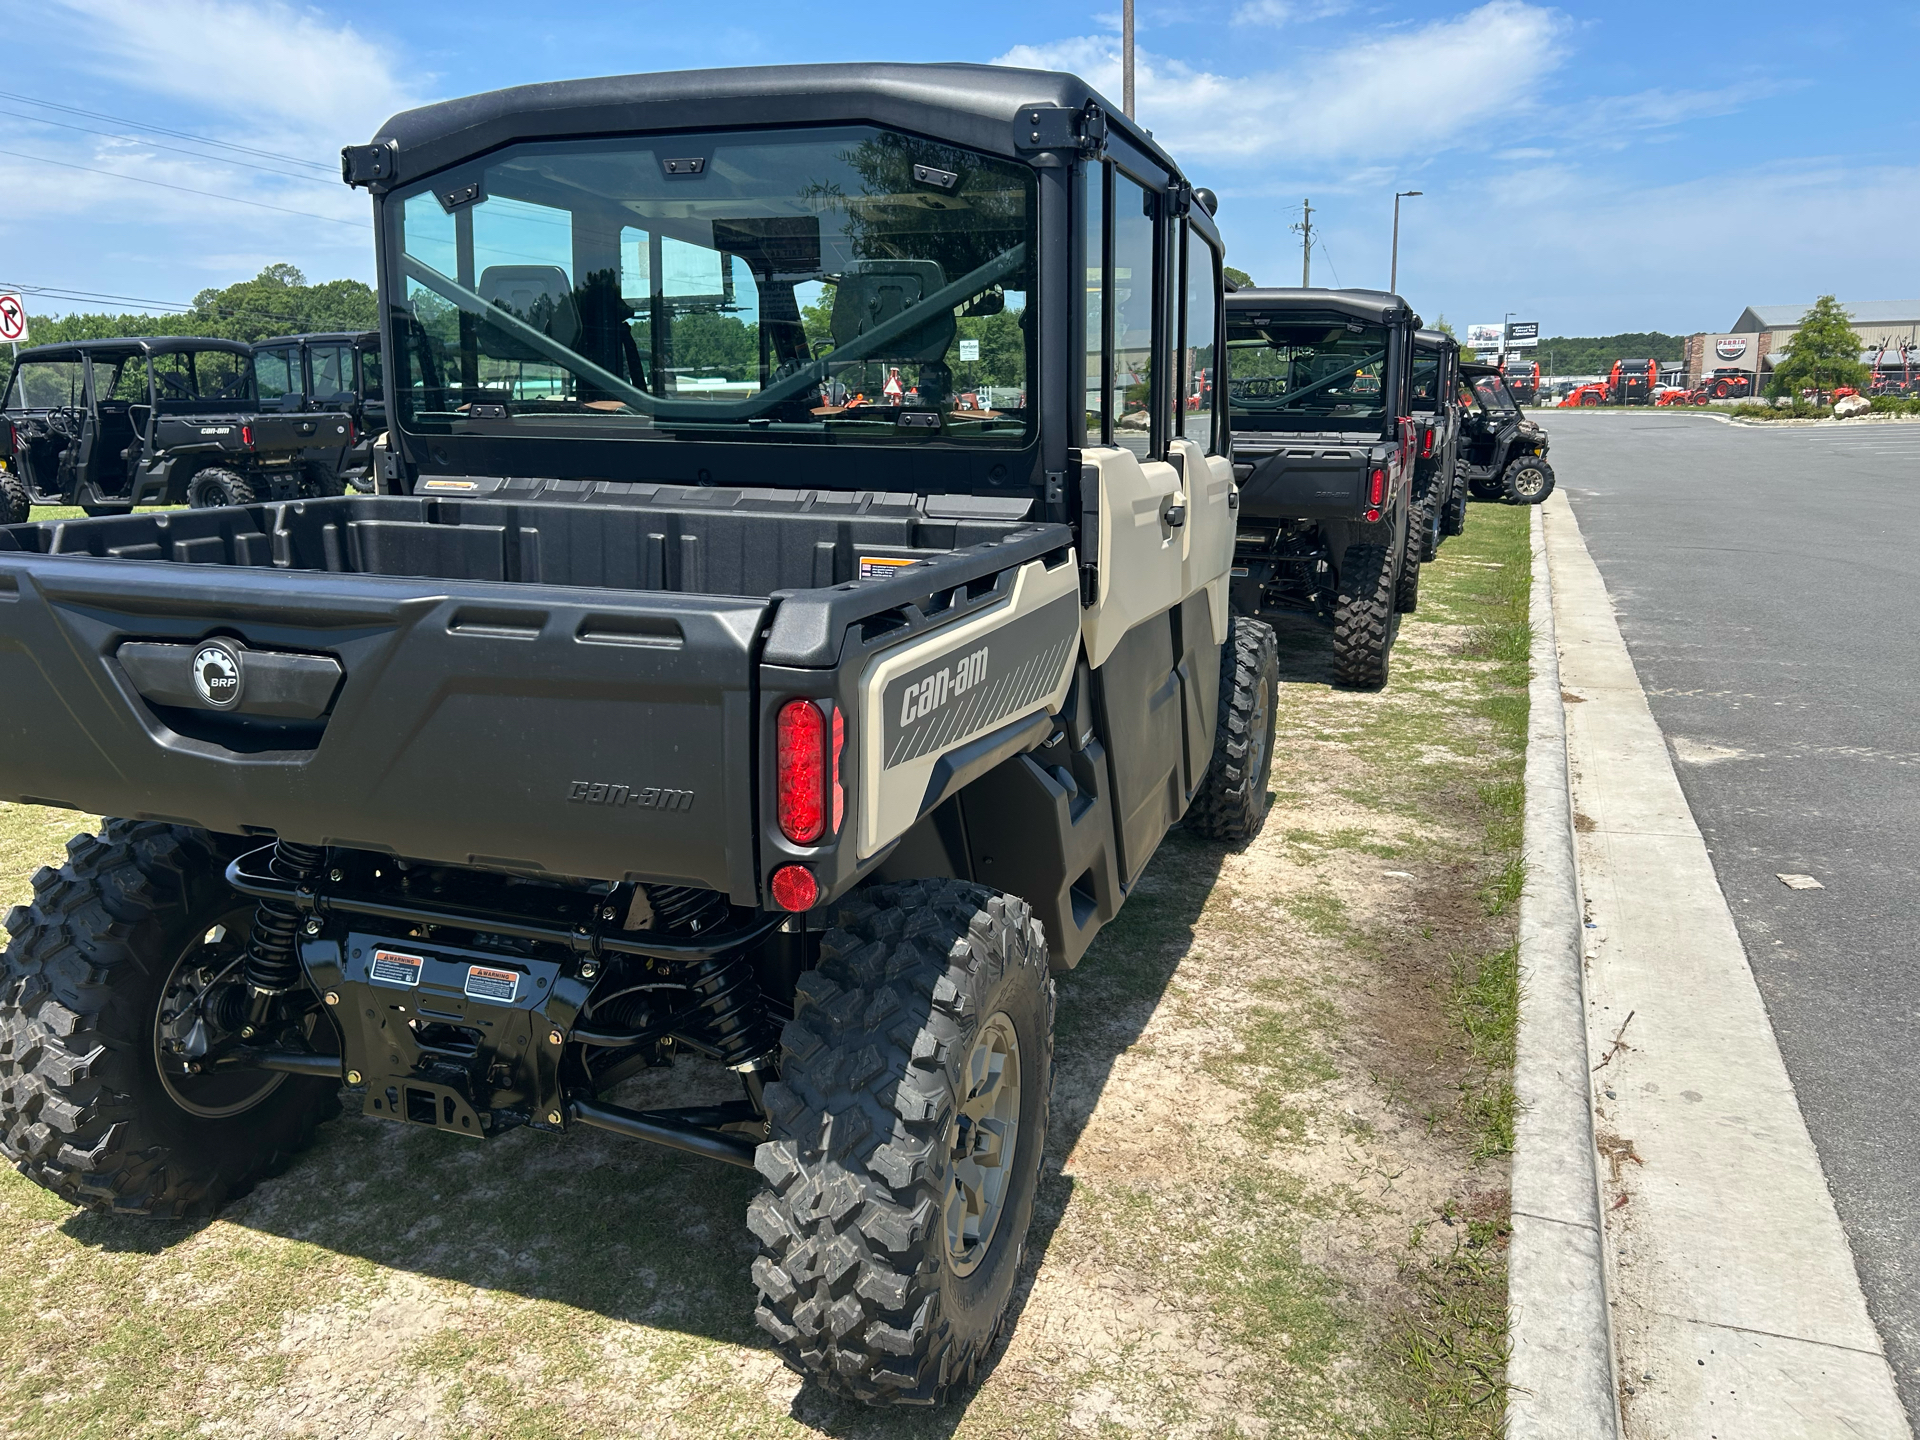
x,y
13,318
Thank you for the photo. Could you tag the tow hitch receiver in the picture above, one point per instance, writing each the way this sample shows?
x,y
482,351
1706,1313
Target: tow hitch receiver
x,y
460,1039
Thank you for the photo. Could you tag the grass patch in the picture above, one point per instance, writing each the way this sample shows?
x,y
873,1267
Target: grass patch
x,y
1483,1000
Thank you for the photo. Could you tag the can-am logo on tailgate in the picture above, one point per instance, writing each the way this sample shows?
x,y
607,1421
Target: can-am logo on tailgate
x,y
943,685
647,797
216,675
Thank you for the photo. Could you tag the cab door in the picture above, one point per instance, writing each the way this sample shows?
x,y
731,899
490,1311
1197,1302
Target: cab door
x,y
1154,499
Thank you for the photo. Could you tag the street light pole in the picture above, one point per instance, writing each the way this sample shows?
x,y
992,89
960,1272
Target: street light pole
x,y
1126,58
1393,276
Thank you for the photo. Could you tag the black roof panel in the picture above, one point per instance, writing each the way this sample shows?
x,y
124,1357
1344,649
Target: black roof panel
x,y
133,345
971,105
1377,305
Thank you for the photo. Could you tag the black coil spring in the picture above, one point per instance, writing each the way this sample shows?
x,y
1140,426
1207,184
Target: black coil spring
x,y
271,965
683,910
729,996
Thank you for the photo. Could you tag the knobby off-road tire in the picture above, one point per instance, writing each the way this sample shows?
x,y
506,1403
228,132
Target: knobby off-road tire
x,y
1429,516
1406,580
1364,619
870,1281
1527,481
84,1108
212,488
1232,804
1454,522
15,503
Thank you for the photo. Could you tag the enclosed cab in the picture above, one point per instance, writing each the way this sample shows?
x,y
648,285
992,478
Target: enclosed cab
x,y
1439,485
1320,386
335,372
1523,379
810,614
111,424
1633,382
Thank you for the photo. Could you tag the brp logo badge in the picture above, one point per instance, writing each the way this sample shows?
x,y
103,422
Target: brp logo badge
x,y
217,675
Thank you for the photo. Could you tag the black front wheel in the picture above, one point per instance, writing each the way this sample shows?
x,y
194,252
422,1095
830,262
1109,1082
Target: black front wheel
x,y
1527,481
1232,803
1454,522
16,504
124,969
907,1128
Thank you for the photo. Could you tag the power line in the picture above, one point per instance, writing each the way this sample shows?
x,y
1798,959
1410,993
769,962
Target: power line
x,y
174,149
162,130
55,293
187,190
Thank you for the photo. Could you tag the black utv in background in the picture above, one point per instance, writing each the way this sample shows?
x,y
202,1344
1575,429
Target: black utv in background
x,y
1320,399
1505,454
111,424
1439,483
333,373
757,674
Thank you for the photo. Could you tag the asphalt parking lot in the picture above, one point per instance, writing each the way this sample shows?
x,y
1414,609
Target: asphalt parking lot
x,y
1762,578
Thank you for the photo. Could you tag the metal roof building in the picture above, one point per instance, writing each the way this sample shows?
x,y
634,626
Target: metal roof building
x,y
1756,319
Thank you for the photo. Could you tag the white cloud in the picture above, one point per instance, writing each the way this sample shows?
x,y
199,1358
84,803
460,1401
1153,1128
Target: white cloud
x,y
1405,92
287,71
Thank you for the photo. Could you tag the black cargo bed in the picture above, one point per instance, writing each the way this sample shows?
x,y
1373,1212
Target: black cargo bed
x,y
567,688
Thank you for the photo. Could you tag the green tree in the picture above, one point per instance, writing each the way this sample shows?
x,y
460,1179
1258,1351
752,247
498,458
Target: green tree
x,y
277,301
1823,353
1238,279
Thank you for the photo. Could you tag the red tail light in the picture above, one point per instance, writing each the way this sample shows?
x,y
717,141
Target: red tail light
x,y
246,436
1426,443
808,763
1377,495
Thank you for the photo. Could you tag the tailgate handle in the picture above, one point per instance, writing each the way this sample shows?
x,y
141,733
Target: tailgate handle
x,y
224,676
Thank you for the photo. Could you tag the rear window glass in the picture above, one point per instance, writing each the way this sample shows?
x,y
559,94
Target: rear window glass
x,y
1300,374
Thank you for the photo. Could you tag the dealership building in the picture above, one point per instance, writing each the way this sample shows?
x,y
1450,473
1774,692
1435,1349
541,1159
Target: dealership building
x,y
1761,334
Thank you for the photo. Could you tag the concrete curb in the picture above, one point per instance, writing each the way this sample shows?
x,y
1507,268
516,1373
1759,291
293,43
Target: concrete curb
x,y
1561,1368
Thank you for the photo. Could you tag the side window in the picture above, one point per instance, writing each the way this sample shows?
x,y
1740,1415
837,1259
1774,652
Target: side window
x,y
332,367
370,382
1093,220
1132,285
1197,345
276,373
172,380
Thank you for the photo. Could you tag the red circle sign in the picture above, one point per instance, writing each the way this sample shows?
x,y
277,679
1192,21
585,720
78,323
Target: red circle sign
x,y
13,318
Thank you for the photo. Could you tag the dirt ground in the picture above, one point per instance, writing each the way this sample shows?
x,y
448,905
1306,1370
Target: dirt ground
x,y
1274,1202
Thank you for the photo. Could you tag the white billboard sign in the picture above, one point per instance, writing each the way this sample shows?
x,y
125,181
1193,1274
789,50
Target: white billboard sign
x,y
1485,337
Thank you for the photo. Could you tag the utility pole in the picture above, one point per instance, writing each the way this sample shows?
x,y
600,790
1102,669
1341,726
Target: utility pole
x,y
1126,58
1393,275
1305,231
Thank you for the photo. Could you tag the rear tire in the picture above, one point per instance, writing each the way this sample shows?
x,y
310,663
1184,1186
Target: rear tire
x,y
95,961
1527,481
1232,803
15,503
1406,581
1364,622
886,1267
213,488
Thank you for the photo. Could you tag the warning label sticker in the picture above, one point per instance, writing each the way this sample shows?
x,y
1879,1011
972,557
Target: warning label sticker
x,y
486,983
390,967
879,567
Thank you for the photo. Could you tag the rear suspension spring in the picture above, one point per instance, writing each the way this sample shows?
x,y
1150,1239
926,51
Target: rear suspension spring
x,y
271,967
728,994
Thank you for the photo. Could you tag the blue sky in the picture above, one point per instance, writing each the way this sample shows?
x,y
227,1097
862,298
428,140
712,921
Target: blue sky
x,y
1597,167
